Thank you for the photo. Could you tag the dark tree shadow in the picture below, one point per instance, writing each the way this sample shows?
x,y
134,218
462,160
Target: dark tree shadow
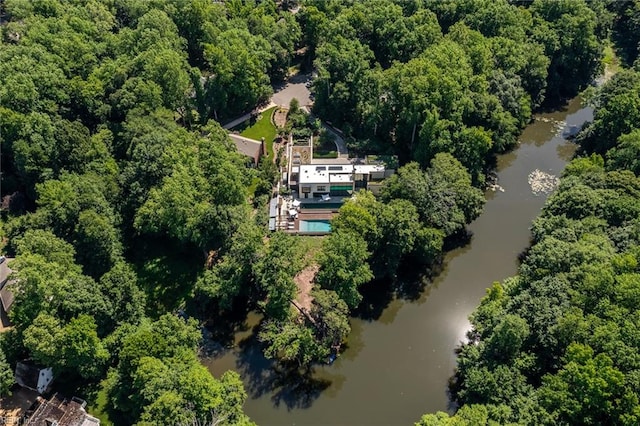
x,y
452,402
454,384
297,389
257,370
460,239
522,256
554,104
167,272
413,283
300,78
376,296
288,384
220,325
413,279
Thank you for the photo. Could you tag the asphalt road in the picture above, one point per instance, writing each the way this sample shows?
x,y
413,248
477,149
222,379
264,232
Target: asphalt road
x,y
294,88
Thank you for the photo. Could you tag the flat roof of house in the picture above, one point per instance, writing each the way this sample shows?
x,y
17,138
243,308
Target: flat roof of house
x,y
311,173
341,178
335,173
273,207
368,168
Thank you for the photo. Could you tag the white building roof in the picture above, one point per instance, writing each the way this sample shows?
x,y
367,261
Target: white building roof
x,y
310,173
335,173
366,169
341,178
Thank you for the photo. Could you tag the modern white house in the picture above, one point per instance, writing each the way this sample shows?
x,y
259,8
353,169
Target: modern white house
x,y
316,188
317,180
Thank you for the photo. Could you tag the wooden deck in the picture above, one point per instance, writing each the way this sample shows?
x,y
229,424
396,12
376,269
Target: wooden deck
x,y
314,215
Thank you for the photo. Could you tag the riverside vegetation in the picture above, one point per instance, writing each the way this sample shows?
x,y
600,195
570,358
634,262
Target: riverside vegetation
x,y
559,342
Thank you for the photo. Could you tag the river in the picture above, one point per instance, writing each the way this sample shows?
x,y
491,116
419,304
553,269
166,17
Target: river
x,y
397,367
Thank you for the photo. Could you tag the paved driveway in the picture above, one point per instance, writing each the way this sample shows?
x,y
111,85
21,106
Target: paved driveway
x,y
341,146
294,88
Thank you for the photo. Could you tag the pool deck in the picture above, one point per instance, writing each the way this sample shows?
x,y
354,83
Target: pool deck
x,y
306,211
314,215
335,200
306,215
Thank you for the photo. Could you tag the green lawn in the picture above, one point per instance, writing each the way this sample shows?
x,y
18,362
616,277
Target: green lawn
x,y
251,189
262,128
329,154
98,409
324,145
610,59
311,246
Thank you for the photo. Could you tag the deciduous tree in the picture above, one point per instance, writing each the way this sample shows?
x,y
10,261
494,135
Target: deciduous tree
x,y
343,266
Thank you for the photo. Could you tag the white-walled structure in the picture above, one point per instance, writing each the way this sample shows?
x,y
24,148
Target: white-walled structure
x,y
33,377
315,180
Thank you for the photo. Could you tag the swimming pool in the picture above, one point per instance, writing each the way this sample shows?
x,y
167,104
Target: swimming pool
x,y
314,226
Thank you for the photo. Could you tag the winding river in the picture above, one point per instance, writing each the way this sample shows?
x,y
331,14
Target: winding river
x,y
397,367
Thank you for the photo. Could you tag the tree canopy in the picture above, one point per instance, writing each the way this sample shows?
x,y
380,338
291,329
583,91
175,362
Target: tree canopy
x,y
557,344
125,202
457,77
116,176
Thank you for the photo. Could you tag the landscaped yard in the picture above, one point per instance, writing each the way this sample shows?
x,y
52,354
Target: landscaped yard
x,y
324,145
262,128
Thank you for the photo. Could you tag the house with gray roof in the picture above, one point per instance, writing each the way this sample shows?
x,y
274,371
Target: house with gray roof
x,y
61,411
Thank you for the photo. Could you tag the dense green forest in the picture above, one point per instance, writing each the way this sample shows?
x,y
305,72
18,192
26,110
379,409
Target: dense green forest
x,y
126,204
417,78
559,343
118,184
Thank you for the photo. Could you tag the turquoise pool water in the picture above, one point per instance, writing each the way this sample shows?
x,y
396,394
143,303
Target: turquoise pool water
x,y
315,226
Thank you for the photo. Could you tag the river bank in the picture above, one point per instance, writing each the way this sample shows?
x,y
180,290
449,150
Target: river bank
x,y
397,367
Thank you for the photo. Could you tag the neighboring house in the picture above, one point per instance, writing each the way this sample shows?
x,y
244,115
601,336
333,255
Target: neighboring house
x,y
15,407
314,180
31,376
61,411
249,147
6,296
